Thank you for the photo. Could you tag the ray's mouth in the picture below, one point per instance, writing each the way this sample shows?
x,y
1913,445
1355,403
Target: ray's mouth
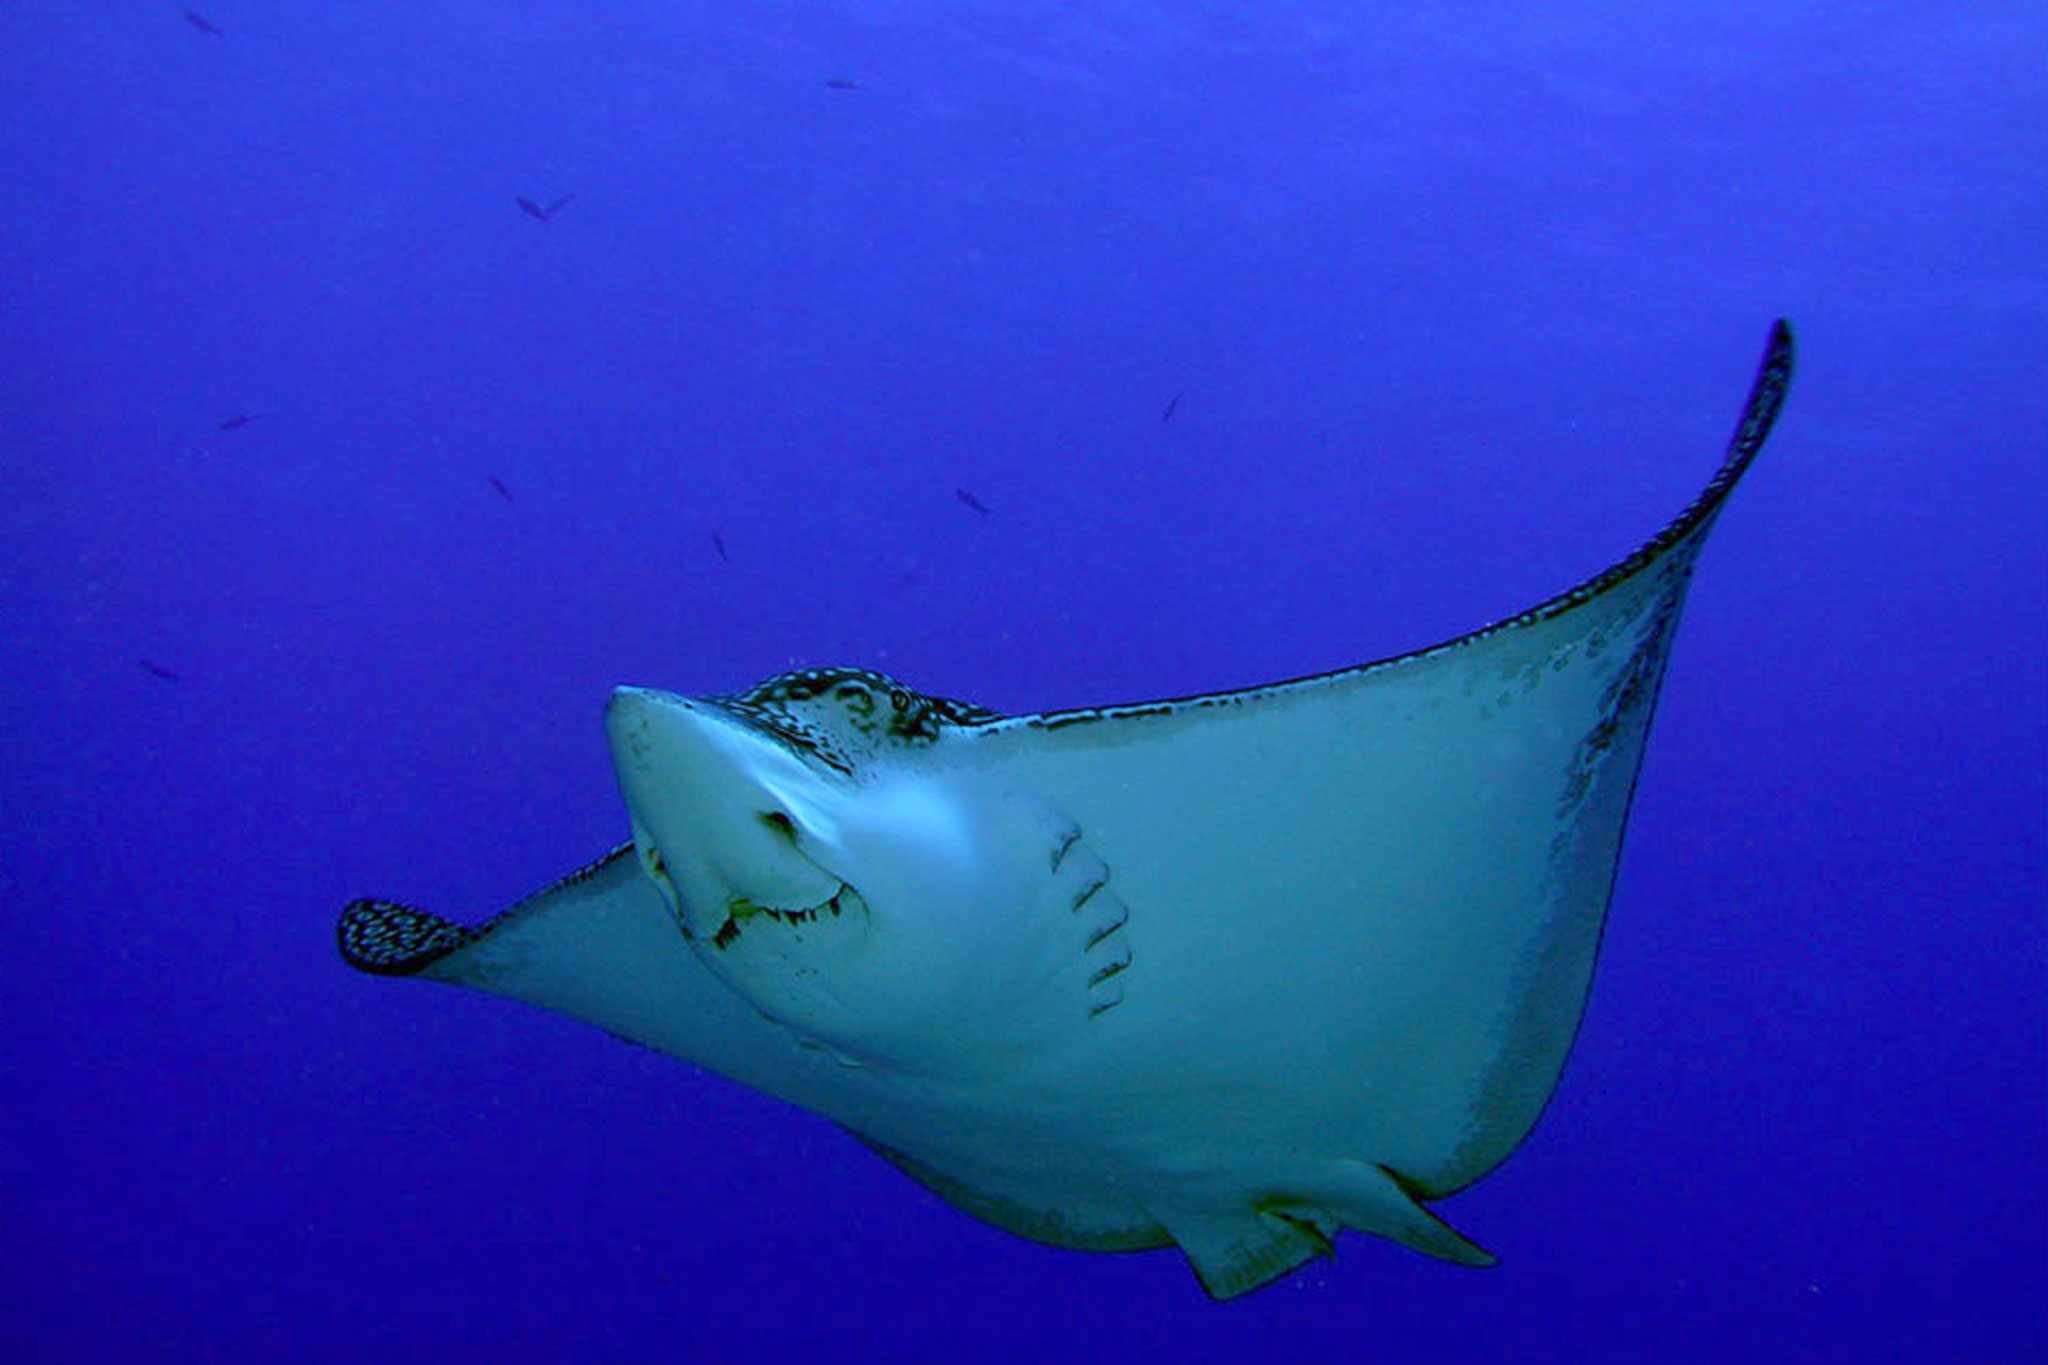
x,y
739,909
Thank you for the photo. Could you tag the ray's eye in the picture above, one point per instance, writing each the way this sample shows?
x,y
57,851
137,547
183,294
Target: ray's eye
x,y
781,824
858,699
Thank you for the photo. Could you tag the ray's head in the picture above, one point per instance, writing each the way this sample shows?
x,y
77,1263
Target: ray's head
x,y
814,863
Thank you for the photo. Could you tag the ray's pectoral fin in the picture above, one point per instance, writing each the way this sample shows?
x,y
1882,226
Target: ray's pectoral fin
x,y
535,951
597,945
385,938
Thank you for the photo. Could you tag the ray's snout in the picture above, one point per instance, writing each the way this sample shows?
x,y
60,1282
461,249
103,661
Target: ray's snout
x,y
654,732
656,738
665,731
715,805
685,760
631,714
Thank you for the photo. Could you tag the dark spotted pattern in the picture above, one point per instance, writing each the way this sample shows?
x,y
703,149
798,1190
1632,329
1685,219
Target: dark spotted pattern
x,y
841,716
390,939
1632,689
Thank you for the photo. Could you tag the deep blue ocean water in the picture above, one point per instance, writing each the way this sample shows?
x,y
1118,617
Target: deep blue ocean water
x,y
1458,305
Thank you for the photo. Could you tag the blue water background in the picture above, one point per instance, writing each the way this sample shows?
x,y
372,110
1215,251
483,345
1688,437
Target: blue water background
x,y
1459,302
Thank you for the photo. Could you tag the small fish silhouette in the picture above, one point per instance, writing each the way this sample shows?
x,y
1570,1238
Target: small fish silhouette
x,y
841,83
718,544
1172,405
533,210
202,23
156,670
503,491
235,423
972,501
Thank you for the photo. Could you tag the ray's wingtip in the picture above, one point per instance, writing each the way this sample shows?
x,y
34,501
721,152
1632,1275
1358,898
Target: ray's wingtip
x,y
1782,338
1774,374
1759,413
385,938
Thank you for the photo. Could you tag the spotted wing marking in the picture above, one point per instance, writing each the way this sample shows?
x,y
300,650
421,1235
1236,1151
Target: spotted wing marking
x,y
386,938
